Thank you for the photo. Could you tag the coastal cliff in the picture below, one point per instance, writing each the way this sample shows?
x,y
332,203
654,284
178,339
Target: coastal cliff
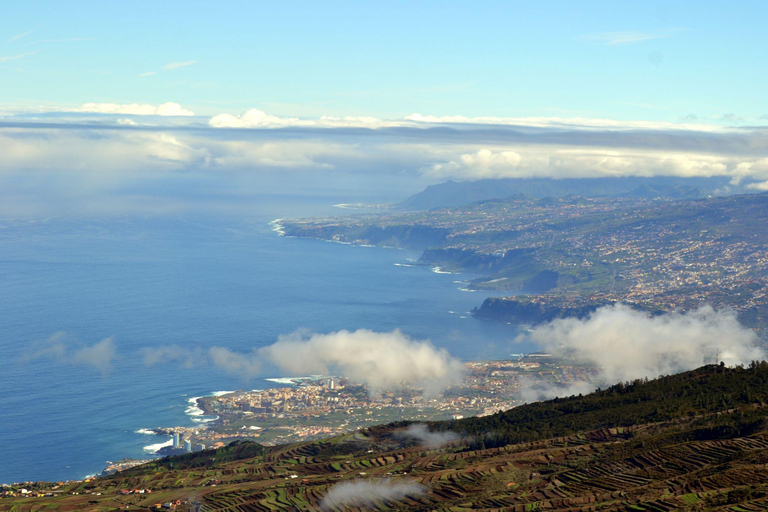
x,y
534,310
525,310
400,236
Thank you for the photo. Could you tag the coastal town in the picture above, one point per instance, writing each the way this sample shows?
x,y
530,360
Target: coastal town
x,y
323,406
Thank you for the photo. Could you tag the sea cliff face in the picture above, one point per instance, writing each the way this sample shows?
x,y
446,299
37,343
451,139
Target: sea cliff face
x,y
534,310
401,236
526,310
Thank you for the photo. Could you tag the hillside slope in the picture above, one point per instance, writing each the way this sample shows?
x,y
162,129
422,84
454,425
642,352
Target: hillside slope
x,y
695,441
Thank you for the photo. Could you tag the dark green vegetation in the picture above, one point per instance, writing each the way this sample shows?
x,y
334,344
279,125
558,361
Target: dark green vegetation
x,y
583,252
694,441
707,390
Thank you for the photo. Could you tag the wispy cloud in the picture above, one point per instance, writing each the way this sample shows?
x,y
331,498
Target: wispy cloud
x,y
616,38
19,36
177,65
19,56
421,433
62,348
148,73
366,493
65,40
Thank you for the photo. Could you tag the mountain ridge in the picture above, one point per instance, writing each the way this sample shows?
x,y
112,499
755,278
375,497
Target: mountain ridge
x,y
451,193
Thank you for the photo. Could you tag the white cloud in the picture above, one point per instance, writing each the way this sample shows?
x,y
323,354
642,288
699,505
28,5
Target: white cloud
x,y
97,156
255,118
148,73
246,366
65,40
277,154
482,164
626,344
177,65
64,350
19,56
763,186
568,162
365,493
582,123
98,355
431,440
165,109
19,36
380,360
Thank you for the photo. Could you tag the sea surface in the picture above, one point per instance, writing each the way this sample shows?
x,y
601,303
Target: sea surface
x,y
191,281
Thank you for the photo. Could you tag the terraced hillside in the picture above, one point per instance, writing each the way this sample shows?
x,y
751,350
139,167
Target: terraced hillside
x,y
713,456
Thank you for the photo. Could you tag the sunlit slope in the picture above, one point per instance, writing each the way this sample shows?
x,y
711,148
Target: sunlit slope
x,y
691,441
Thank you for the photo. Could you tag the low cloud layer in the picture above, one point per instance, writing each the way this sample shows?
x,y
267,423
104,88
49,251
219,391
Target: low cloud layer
x,y
165,109
380,360
427,439
63,349
97,155
626,344
243,365
255,118
362,493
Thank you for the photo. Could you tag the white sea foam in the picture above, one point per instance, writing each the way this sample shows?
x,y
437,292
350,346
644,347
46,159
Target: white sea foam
x,y
438,270
193,409
206,419
277,227
283,380
291,380
403,265
146,431
197,413
152,448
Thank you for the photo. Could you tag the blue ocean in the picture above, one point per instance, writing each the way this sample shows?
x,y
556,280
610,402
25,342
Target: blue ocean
x,y
191,281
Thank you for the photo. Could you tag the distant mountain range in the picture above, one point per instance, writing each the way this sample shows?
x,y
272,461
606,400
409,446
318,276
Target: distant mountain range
x,y
452,193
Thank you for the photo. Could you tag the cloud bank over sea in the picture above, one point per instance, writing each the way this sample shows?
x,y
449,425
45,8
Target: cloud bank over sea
x,y
105,156
383,361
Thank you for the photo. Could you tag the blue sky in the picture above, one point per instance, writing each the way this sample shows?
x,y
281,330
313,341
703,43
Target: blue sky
x,y
618,60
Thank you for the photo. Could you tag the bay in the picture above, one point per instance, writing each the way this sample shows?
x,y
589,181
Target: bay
x,y
189,281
